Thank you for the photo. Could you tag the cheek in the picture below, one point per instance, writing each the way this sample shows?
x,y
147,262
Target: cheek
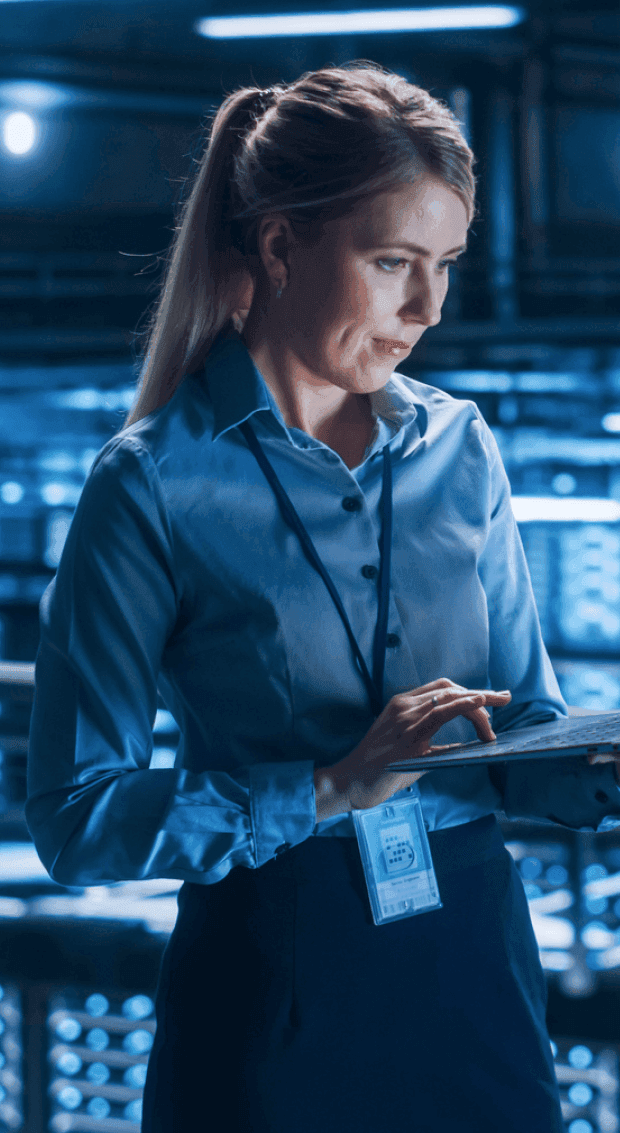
x,y
357,299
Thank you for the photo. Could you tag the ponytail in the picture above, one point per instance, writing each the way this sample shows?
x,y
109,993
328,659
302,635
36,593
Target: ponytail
x,y
204,270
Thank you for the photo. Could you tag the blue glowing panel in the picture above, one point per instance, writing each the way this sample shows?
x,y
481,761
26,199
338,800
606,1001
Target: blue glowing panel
x,y
575,570
98,1053
11,1076
587,1074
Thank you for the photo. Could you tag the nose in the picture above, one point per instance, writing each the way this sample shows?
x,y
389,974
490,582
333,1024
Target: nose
x,y
428,293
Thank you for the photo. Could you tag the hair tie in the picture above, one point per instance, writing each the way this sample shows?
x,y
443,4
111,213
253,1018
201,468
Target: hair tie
x,y
265,99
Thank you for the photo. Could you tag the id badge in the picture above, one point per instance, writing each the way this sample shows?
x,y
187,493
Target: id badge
x,y
397,860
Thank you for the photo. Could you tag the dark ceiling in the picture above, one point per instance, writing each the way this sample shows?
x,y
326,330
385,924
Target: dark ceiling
x,y
153,46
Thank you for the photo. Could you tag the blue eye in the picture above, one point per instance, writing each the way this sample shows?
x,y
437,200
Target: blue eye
x,y
398,260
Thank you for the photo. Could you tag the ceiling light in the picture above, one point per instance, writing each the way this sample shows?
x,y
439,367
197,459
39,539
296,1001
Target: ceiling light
x,y
358,22
19,132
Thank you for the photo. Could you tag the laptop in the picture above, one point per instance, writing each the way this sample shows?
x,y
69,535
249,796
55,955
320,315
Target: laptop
x,y
577,735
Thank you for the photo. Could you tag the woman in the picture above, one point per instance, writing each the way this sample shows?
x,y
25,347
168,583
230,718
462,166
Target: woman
x,y
312,254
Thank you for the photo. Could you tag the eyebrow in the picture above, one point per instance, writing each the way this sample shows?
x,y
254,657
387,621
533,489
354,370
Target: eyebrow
x,y
419,250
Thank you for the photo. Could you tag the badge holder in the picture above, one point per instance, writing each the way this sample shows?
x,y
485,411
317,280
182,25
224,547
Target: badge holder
x,y
397,860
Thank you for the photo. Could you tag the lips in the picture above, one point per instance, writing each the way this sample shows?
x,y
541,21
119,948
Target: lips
x,y
390,345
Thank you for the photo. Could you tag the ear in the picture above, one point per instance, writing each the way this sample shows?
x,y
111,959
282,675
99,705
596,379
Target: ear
x,y
274,237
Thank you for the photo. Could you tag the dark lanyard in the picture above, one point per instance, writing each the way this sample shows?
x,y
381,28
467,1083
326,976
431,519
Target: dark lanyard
x,y
374,684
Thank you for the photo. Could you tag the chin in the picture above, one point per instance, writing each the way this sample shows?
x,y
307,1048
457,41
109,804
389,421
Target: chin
x,y
374,372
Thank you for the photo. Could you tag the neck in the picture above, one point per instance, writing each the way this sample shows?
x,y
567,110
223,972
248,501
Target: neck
x,y
319,408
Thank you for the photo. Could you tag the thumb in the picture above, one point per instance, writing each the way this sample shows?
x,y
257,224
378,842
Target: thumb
x,y
443,747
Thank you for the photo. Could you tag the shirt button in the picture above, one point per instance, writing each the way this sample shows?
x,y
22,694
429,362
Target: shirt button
x,y
392,640
281,849
352,503
369,571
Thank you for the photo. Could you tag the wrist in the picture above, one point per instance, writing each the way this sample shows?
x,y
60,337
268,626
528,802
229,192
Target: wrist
x,y
330,793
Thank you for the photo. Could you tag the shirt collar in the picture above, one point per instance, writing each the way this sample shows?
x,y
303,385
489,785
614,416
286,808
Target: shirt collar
x,y
238,389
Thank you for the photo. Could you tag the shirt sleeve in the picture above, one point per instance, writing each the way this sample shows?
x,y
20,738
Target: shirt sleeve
x,y
96,811
569,792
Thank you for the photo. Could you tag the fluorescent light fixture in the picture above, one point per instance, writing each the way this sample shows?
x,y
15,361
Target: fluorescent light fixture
x,y
577,509
358,22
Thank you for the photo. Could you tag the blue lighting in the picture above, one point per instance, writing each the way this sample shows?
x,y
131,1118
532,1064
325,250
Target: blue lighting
x,y
580,1057
557,875
133,1111
98,1073
358,22
11,492
531,868
19,132
595,872
578,509
69,1097
97,1039
36,95
135,1076
68,1029
97,1005
98,1108
138,1042
138,1007
580,1094
69,1063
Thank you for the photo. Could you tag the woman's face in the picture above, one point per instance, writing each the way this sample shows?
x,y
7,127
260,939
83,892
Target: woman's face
x,y
380,273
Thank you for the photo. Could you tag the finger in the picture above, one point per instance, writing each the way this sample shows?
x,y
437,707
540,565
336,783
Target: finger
x,y
444,747
447,685
480,719
440,682
495,699
437,715
482,723
608,757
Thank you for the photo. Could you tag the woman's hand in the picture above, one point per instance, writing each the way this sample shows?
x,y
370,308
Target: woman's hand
x,y
402,731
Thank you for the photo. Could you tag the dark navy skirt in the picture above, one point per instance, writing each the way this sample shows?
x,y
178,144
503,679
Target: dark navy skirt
x,y
282,1008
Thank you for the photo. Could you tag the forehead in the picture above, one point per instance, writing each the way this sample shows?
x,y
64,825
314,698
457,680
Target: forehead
x,y
427,208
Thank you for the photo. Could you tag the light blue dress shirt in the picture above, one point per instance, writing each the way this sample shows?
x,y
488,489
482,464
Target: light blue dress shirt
x,y
179,574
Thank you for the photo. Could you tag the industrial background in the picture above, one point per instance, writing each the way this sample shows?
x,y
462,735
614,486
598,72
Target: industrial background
x,y
103,107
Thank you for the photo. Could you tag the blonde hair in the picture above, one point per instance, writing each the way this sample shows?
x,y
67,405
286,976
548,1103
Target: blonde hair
x,y
312,150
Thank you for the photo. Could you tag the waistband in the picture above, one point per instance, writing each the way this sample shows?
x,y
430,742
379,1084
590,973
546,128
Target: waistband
x,y
452,849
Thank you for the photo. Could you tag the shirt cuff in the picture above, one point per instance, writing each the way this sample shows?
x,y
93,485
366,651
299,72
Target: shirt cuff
x,y
282,806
